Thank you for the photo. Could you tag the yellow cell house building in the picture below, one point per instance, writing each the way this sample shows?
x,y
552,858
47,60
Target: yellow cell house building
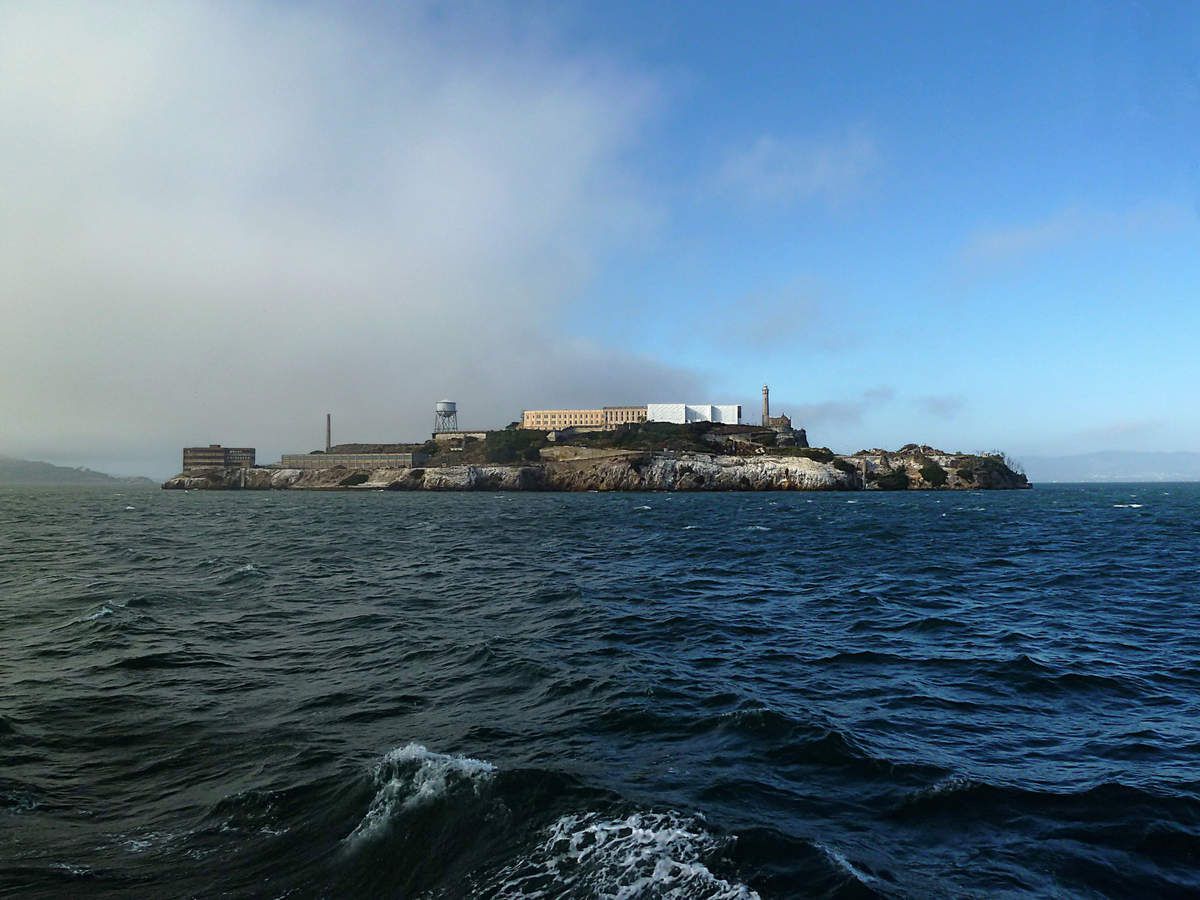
x,y
604,417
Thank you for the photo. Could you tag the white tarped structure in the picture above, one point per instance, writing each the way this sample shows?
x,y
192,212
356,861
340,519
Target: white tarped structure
x,y
682,413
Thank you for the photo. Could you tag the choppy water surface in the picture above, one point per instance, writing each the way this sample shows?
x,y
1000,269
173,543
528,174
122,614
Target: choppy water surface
x,y
600,695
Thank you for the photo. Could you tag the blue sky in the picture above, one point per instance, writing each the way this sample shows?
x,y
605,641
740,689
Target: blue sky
x,y
974,225
1014,254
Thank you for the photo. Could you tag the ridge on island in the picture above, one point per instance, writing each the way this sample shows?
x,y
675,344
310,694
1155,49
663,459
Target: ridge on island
x,y
634,458
35,473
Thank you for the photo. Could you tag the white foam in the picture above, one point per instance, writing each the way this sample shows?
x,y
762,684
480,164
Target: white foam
x,y
845,865
641,507
72,869
1127,506
104,610
642,855
758,528
410,777
130,508
949,785
147,840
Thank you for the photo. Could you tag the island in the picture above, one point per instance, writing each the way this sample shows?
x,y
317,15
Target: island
x,y
633,457
35,473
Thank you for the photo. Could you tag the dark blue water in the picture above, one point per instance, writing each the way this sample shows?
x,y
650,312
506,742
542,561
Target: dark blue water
x,y
298,694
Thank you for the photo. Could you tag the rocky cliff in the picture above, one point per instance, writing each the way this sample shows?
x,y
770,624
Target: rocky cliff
x,y
923,468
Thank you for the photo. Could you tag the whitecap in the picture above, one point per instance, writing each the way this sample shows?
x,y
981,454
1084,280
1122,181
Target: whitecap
x,y
102,612
641,507
130,508
645,854
758,528
72,869
410,777
952,784
1127,506
147,840
690,527
845,865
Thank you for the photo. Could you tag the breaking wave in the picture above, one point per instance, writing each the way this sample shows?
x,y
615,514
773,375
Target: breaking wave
x,y
643,854
412,776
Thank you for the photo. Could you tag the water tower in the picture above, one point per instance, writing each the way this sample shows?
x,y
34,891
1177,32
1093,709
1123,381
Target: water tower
x,y
445,416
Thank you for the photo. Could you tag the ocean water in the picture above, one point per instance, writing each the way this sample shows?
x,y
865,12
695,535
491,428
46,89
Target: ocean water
x,y
654,695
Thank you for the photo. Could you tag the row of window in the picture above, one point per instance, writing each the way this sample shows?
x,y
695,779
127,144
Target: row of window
x,y
597,417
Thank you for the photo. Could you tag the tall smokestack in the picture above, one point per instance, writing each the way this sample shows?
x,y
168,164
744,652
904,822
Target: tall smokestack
x,y
328,432
766,405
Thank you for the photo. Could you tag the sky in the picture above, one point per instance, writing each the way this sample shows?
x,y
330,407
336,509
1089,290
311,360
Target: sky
x,y
970,225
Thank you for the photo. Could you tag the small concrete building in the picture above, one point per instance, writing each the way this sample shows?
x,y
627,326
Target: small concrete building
x,y
216,456
685,413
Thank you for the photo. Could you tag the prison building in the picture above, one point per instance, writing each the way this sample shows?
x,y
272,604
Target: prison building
x,y
352,460
604,417
216,456
685,413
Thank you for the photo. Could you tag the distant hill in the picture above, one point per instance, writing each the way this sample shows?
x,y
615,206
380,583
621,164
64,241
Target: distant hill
x,y
27,472
1108,466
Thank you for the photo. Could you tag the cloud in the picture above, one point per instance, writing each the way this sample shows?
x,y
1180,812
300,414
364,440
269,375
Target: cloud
x,y
786,171
773,318
835,412
1017,243
944,406
222,221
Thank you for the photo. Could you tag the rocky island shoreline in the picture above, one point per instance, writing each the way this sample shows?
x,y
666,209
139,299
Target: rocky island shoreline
x,y
912,467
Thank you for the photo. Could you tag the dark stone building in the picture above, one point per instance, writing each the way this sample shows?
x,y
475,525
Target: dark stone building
x,y
214,455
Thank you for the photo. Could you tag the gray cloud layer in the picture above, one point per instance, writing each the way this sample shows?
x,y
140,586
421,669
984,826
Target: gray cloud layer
x,y
835,412
222,221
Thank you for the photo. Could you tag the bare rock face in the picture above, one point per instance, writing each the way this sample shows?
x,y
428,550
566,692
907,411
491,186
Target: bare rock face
x,y
734,473
235,479
469,478
927,468
918,467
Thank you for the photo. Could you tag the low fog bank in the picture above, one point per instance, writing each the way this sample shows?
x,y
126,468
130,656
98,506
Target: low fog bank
x,y
222,222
